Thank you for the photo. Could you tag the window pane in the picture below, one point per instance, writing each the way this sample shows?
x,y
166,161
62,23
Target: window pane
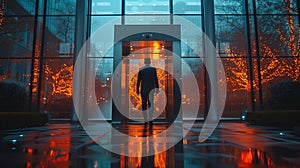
x,y
59,7
147,6
99,21
59,36
196,66
106,7
281,76
187,7
16,37
229,6
97,45
238,99
19,7
103,88
187,35
276,7
147,20
57,88
278,35
16,73
230,35
15,70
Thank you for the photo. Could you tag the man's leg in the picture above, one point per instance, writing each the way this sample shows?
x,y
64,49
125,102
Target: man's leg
x,y
151,106
144,106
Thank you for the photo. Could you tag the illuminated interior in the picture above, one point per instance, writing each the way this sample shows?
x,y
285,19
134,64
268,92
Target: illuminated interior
x,y
138,50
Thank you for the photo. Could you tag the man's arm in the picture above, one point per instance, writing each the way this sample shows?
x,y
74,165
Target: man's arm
x,y
138,83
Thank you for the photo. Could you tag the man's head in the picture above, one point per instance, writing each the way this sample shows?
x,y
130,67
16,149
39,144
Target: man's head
x,y
147,61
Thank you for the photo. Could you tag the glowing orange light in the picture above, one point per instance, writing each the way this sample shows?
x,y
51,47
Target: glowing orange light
x,y
51,153
60,81
28,165
160,158
155,56
52,143
29,151
2,11
246,157
272,67
36,68
156,44
63,81
3,77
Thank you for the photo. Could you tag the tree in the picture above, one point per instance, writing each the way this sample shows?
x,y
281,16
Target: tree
x,y
278,47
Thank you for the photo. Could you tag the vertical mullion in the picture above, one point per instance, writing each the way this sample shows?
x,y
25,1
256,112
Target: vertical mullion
x,y
41,57
123,12
171,11
257,56
209,29
33,53
89,15
202,14
249,53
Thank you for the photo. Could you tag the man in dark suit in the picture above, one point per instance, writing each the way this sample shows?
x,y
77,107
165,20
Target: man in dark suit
x,y
147,78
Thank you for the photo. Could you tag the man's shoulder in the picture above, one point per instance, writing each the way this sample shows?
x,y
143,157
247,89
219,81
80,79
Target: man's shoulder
x,y
147,68
151,67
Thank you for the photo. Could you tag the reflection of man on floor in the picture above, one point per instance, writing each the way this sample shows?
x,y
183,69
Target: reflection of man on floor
x,y
147,77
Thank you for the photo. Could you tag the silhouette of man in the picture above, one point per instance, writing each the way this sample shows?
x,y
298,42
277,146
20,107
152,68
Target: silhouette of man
x,y
147,78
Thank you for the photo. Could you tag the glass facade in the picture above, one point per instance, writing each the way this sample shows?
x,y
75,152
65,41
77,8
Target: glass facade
x,y
37,49
258,41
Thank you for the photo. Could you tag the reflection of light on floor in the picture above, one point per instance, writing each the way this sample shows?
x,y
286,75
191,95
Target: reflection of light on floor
x,y
246,157
252,156
28,165
145,146
160,158
51,153
135,161
55,151
29,151
185,141
52,143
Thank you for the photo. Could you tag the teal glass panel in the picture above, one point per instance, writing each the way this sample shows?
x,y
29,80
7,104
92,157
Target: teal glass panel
x,y
106,7
147,7
187,6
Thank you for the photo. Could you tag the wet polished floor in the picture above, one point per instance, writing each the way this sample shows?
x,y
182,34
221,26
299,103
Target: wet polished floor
x,y
231,145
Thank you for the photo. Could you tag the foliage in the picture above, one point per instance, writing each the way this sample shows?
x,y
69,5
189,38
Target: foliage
x,y
13,96
285,95
282,119
278,43
10,120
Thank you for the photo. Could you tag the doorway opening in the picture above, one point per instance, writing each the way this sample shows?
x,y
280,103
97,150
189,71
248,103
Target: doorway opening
x,y
151,41
133,55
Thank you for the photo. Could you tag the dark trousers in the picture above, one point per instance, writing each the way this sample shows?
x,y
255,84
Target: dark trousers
x,y
147,108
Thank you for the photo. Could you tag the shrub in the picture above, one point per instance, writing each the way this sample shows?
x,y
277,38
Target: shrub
x,y
13,96
12,120
285,96
60,107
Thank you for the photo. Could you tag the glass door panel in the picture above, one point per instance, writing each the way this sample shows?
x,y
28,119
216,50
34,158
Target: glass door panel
x,y
134,53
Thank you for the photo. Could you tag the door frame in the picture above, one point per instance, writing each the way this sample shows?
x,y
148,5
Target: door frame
x,y
158,33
